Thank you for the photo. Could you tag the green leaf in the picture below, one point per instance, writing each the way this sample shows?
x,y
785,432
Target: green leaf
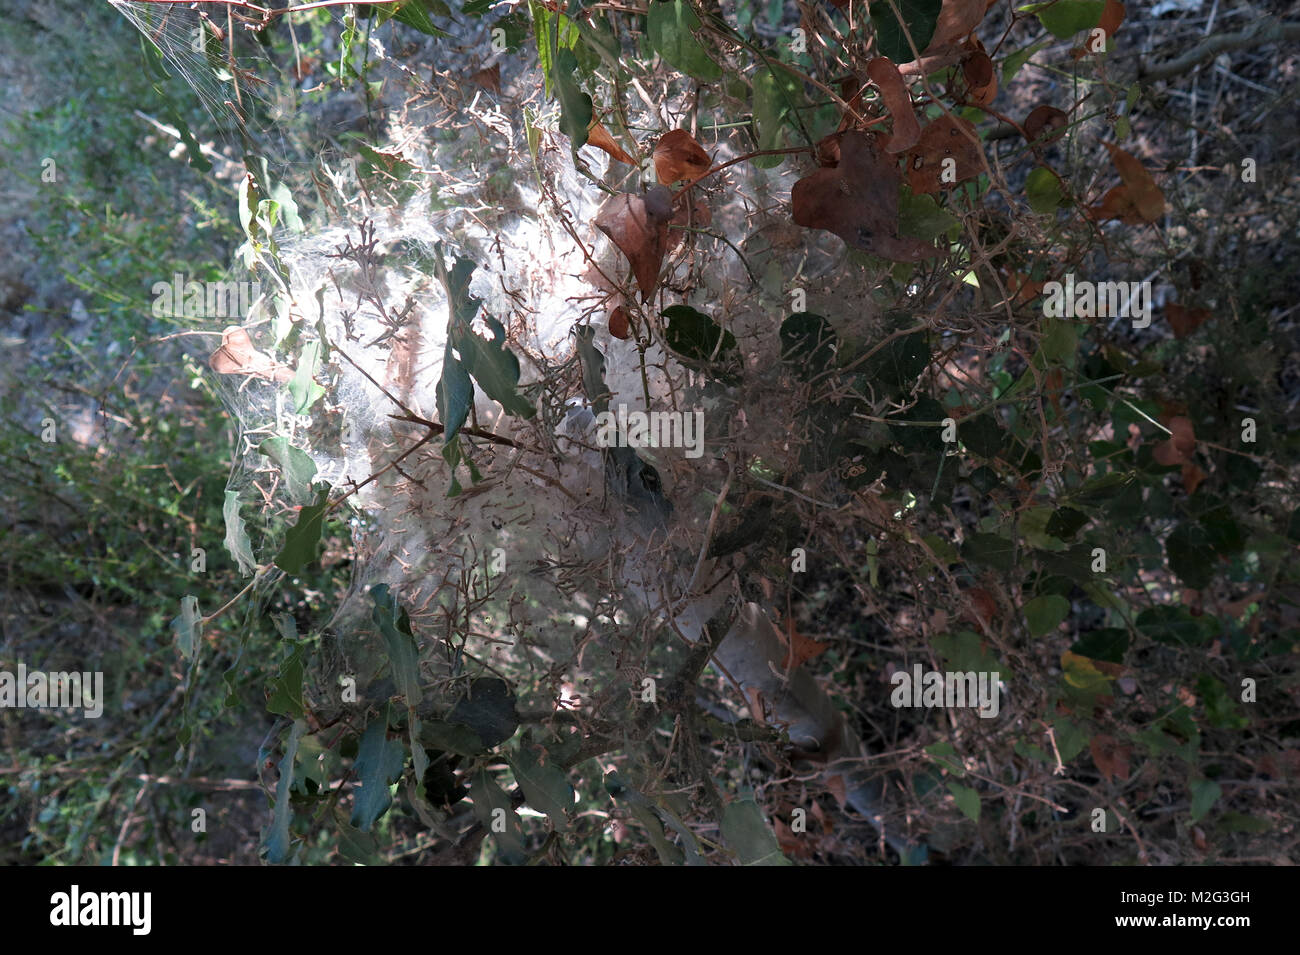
x,y
919,16
776,94
355,846
187,626
455,396
575,105
488,710
1220,708
554,32
1064,18
1098,490
1070,738
546,787
900,361
403,653
946,755
921,218
493,810
694,335
651,816
295,465
1014,61
746,833
494,367
968,800
285,697
982,435
276,838
387,171
1043,190
1033,528
420,13
1044,614
1191,555
670,28
303,387
1109,644
1176,625
1060,342
379,763
451,738
990,550
965,651
237,542
301,541
1065,522
1205,793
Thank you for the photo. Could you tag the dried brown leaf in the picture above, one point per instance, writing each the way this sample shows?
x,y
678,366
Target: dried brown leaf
x,y
599,137
894,94
858,200
678,156
944,138
238,356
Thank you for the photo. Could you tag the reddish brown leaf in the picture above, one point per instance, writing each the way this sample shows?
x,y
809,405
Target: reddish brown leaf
x,y
836,786
238,356
894,94
1112,759
981,79
982,605
599,137
792,843
1180,444
641,236
489,79
1116,204
618,323
1045,119
957,20
798,648
1023,289
1142,190
1184,320
1192,478
828,150
943,139
1112,15
1053,385
858,201
678,156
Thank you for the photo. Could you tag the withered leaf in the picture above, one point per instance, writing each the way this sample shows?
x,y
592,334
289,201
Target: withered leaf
x,y
981,79
599,137
1111,757
618,323
1045,119
1185,320
641,236
1178,448
858,200
943,139
238,356
893,91
957,20
1112,15
798,648
489,79
678,156
1139,199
